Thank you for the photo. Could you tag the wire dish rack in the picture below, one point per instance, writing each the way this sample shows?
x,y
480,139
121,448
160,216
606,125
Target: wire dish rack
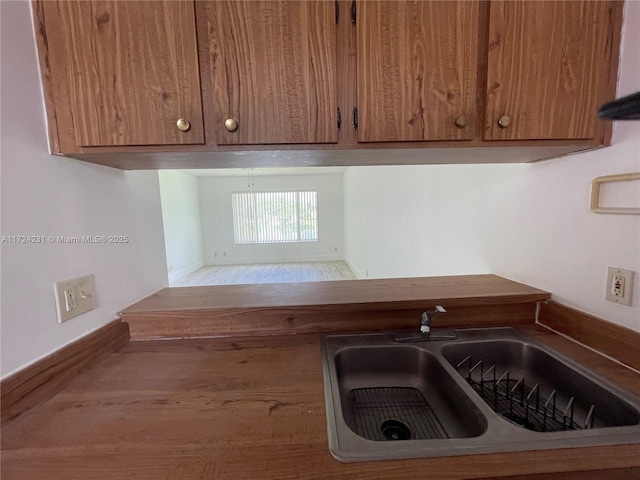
x,y
523,404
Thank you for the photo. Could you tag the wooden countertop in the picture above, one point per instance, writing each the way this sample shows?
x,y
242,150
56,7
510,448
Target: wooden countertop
x,y
247,408
315,307
374,294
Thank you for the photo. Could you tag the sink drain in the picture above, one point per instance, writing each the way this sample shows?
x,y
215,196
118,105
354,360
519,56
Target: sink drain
x,y
393,413
395,430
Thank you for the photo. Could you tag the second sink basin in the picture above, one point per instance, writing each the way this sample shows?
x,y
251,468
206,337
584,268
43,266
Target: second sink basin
x,y
534,389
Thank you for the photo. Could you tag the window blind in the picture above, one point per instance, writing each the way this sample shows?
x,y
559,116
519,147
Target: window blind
x,y
275,217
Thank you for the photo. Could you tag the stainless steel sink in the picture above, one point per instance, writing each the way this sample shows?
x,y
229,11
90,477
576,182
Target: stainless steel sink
x,y
406,387
535,389
489,390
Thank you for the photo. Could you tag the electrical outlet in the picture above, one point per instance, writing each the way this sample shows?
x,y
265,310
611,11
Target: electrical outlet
x,y
619,285
70,300
74,297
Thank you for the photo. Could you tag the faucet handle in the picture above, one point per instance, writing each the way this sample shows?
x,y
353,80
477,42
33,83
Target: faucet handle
x,y
427,316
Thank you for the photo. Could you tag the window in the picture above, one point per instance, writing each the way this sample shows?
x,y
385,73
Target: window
x,y
275,217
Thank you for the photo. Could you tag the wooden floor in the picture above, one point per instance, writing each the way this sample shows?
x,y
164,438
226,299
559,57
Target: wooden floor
x,y
266,273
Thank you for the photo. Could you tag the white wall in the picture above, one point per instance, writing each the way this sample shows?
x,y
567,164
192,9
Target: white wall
x,y
527,222
46,195
217,220
418,220
181,221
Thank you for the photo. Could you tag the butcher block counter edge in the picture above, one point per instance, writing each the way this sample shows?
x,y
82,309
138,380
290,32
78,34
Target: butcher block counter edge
x,y
322,307
376,293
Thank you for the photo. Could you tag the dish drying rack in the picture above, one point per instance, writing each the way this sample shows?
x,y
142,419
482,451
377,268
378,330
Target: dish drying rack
x,y
521,404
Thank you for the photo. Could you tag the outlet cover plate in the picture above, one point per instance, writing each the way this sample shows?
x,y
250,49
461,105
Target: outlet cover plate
x,y
622,294
74,297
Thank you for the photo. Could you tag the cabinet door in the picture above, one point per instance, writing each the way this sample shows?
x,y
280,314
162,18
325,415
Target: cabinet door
x,y
132,71
417,70
547,62
274,71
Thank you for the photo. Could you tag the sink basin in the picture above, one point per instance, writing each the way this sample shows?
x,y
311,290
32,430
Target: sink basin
x,y
489,390
402,392
536,390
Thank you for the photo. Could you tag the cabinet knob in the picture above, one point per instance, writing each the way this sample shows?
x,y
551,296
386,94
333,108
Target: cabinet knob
x,y
504,121
461,121
231,124
183,124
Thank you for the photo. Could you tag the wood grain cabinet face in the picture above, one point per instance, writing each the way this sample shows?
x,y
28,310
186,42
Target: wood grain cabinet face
x,y
131,71
130,83
273,66
548,62
417,70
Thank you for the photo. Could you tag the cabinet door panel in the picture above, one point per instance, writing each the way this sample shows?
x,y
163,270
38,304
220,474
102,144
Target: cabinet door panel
x,y
132,71
417,70
274,71
547,61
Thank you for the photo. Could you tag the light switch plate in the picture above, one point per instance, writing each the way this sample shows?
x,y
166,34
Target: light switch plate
x,y
619,285
74,297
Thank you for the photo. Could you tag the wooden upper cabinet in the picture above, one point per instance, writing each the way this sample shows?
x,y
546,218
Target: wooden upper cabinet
x,y
121,77
417,70
273,66
548,62
126,70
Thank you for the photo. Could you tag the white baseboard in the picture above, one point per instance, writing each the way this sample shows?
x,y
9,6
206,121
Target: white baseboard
x,y
357,272
252,260
183,272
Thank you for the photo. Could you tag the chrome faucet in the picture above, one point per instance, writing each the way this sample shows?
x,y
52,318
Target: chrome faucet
x,y
425,329
427,319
